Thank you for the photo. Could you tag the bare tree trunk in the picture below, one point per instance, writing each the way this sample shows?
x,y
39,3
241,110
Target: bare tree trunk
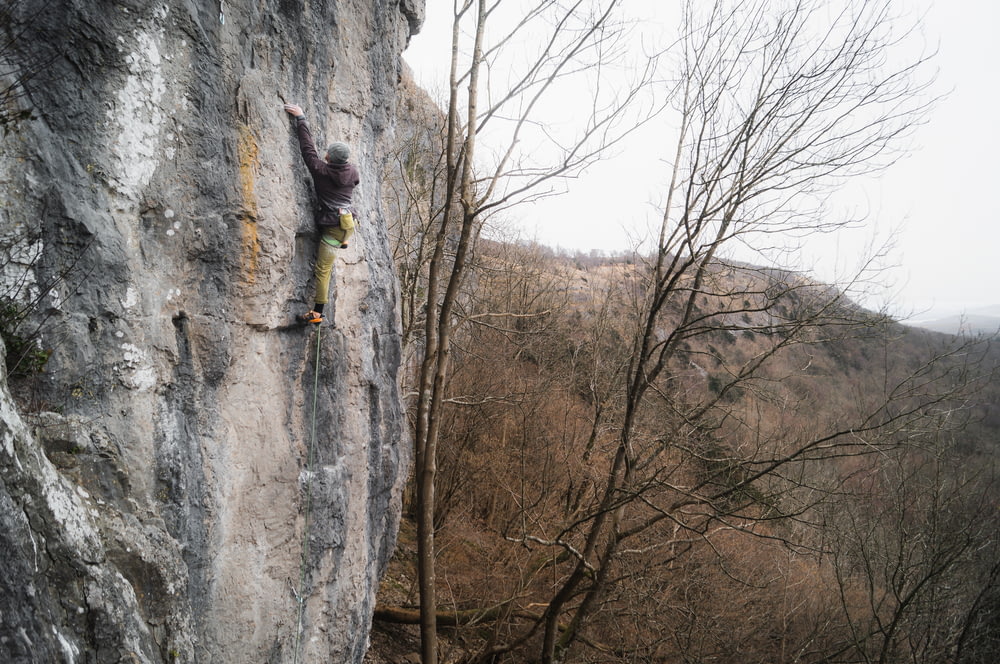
x,y
439,325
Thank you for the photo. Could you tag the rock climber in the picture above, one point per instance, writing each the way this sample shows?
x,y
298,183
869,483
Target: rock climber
x,y
334,179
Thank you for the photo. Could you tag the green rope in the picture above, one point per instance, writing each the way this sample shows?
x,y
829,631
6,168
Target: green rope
x,y
308,507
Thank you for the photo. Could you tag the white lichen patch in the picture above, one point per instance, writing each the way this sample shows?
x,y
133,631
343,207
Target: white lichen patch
x,y
25,253
131,298
17,274
70,651
8,414
139,117
56,298
136,370
67,509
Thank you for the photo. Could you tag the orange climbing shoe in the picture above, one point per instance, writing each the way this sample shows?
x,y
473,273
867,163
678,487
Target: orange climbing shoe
x,y
311,317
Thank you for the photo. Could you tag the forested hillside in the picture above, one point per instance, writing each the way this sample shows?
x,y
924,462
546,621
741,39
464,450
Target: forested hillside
x,y
671,456
674,457
804,484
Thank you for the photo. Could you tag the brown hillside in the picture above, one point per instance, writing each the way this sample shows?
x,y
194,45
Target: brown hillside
x,y
784,409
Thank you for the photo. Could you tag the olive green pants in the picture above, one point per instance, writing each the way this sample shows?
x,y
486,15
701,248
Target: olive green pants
x,y
331,240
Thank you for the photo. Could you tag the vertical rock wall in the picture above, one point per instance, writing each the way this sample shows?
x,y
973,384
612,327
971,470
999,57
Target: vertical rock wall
x,y
156,490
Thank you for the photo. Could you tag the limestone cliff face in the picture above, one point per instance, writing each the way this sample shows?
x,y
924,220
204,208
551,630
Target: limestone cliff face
x,y
160,496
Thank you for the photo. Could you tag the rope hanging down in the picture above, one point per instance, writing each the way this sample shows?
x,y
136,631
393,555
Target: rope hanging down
x,y
299,596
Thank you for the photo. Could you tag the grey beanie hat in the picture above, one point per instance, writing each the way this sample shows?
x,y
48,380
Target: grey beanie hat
x,y
338,153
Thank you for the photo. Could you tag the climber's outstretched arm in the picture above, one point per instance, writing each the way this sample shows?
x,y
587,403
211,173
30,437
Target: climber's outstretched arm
x,y
309,154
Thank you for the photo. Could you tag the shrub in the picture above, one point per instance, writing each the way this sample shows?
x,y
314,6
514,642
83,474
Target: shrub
x,y
24,356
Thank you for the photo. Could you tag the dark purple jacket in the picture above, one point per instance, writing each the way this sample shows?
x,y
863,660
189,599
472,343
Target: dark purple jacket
x,y
334,182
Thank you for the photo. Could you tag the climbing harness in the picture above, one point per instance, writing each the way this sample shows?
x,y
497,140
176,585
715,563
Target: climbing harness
x,y
300,594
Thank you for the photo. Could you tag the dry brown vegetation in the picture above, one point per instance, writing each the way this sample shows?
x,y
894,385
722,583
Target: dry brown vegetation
x,y
875,549
670,457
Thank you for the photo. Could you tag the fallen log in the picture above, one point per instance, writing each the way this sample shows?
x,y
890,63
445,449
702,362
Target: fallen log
x,y
452,618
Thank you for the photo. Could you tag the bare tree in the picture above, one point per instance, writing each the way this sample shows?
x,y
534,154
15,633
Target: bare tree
x,y
777,102
911,572
697,420
577,37
414,198
21,65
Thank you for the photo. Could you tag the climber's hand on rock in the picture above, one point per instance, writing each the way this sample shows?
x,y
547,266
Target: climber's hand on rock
x,y
294,110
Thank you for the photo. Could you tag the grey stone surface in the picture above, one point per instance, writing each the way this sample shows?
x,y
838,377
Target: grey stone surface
x,y
154,493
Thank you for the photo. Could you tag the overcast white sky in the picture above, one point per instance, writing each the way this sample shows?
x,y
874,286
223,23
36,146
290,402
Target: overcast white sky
x,y
939,199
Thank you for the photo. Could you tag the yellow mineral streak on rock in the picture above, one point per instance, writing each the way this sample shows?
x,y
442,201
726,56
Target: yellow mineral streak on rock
x,y
248,152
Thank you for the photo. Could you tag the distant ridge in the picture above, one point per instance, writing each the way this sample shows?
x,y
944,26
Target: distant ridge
x,y
984,321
